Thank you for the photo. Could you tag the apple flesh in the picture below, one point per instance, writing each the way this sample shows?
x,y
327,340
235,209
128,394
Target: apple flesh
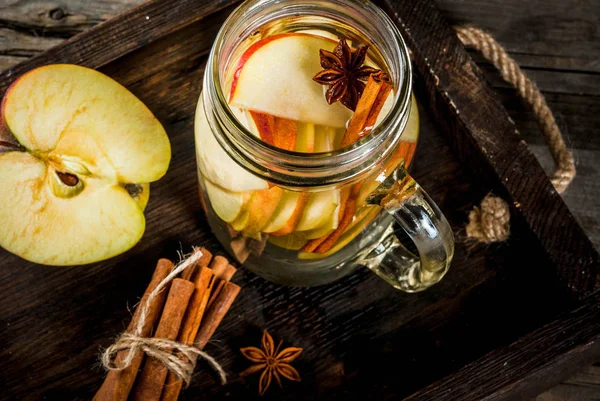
x,y
74,189
215,164
274,76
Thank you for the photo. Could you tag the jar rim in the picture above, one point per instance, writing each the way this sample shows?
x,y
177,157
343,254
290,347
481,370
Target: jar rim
x,y
297,169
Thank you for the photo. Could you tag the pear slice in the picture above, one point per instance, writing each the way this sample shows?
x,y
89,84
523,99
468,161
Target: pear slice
x,y
75,189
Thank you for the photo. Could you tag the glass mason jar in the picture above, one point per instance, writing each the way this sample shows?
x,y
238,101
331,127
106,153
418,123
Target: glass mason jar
x,y
306,219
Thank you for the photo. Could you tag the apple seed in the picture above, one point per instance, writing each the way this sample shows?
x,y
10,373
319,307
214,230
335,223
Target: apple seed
x,y
68,179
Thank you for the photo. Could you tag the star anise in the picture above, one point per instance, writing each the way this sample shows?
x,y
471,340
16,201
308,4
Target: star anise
x,y
273,362
344,72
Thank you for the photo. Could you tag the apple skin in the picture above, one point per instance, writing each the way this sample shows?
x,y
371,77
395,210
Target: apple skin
x,y
69,121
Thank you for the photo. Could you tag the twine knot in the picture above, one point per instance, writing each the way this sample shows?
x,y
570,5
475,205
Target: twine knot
x,y
490,221
177,357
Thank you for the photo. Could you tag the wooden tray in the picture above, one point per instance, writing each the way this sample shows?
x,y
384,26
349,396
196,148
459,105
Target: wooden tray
x,y
507,321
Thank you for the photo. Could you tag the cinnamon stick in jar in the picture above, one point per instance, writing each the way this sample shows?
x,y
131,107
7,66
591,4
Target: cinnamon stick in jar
x,y
369,106
149,384
117,384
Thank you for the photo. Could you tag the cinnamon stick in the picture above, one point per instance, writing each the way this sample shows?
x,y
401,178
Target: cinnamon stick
x,y
191,324
215,313
221,278
202,262
368,108
118,384
149,384
229,272
218,265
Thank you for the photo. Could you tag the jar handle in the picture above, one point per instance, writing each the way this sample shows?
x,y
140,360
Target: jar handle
x,y
400,196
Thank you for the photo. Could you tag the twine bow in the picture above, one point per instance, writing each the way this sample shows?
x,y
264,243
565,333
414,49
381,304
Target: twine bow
x,y
490,222
168,352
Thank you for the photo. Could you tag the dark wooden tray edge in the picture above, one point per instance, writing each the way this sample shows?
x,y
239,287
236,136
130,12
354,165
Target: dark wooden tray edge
x,y
530,365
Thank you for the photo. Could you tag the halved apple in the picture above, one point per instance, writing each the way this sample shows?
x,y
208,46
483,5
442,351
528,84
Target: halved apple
x,y
75,189
286,64
215,164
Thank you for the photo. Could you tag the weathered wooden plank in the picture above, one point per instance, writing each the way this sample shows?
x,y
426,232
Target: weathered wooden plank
x,y
559,35
143,25
28,27
60,18
484,137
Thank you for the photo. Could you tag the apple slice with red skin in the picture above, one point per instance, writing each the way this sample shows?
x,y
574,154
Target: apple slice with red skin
x,y
274,76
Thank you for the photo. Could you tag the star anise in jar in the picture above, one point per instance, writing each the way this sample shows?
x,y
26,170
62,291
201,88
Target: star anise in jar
x,y
345,73
272,362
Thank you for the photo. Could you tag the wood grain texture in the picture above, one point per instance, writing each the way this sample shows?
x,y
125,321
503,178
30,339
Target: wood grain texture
x,y
28,27
350,330
96,46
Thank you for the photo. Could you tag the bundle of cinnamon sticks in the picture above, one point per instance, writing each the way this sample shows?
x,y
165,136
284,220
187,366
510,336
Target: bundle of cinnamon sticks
x,y
188,311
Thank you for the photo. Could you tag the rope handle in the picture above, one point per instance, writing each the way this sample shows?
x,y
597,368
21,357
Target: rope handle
x,y
490,222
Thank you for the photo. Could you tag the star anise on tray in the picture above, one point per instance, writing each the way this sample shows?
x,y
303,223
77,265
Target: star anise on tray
x,y
344,72
274,362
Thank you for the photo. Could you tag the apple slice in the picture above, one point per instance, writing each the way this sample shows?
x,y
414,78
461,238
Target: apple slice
x,y
293,241
265,126
306,138
227,205
215,164
325,138
364,216
261,208
275,131
284,212
318,211
286,132
74,191
274,76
